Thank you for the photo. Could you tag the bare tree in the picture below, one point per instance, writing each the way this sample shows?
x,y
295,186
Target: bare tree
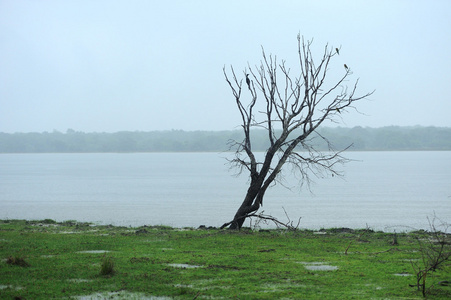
x,y
435,250
290,108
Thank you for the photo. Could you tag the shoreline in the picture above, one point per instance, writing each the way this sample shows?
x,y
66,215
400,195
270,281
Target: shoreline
x,y
84,224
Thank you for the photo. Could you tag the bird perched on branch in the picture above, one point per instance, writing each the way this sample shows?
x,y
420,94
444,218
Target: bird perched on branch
x,y
346,67
338,51
248,81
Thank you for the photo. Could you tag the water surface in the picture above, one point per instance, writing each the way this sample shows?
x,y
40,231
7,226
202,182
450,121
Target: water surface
x,y
382,190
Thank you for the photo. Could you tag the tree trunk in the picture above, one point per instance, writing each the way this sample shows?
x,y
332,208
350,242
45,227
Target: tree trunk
x,y
254,195
239,218
241,214
250,203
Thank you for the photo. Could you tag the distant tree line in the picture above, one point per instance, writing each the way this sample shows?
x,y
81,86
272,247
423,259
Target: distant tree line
x,y
362,139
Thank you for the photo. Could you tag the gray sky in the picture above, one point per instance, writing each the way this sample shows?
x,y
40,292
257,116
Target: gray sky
x,y
105,65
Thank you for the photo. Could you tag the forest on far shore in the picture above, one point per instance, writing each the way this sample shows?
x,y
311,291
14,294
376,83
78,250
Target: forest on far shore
x,y
392,138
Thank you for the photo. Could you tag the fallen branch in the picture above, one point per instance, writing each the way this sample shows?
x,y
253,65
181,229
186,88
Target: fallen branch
x,y
288,225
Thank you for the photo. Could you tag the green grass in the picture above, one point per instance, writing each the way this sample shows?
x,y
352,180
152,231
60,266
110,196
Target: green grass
x,y
66,260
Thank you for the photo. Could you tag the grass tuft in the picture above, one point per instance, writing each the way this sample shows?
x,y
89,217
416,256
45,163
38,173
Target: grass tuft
x,y
17,261
107,266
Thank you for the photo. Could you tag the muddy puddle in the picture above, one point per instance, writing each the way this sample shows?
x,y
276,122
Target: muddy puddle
x,y
318,266
79,280
94,251
184,266
119,295
403,274
17,288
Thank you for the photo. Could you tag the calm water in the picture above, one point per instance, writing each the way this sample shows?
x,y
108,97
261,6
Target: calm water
x,y
383,190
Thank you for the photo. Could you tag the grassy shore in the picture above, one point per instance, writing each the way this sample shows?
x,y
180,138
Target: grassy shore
x,y
71,260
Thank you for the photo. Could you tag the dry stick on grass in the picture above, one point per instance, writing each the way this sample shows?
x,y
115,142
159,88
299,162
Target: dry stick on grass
x,y
197,295
360,236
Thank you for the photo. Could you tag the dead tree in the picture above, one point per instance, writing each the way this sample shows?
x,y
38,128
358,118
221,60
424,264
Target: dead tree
x,y
435,250
290,108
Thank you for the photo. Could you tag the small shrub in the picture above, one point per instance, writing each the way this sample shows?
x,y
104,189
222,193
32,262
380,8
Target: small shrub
x,y
48,221
69,223
184,291
17,261
395,239
435,250
107,267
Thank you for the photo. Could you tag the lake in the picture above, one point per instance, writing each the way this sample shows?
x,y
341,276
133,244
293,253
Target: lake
x,y
381,190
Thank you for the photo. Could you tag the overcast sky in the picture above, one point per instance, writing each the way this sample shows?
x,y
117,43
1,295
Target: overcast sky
x,y
106,65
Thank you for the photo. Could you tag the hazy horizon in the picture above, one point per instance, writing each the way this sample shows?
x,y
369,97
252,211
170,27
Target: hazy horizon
x,y
110,66
72,130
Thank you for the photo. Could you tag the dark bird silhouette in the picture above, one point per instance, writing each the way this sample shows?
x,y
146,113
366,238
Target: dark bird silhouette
x,y
346,67
248,81
338,51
